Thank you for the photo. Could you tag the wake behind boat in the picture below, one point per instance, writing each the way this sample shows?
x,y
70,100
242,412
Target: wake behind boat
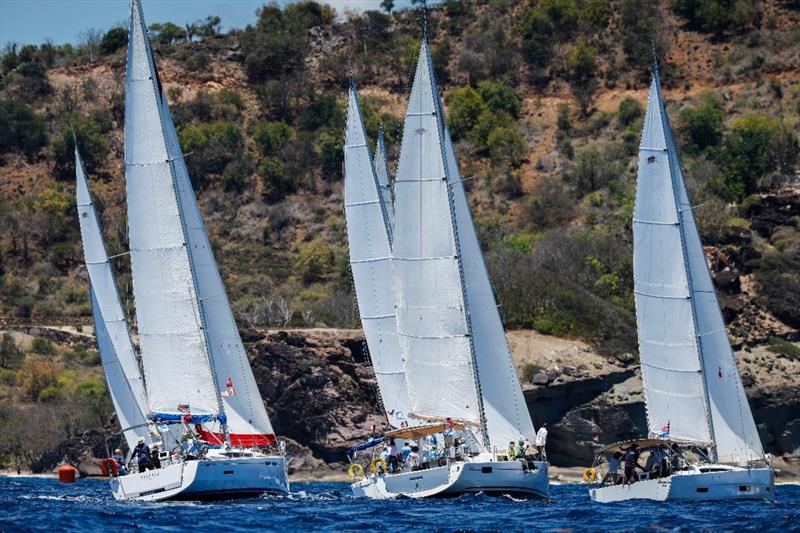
x,y
703,441
443,365
193,416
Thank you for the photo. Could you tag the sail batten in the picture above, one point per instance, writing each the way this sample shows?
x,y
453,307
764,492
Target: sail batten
x,y
117,354
699,396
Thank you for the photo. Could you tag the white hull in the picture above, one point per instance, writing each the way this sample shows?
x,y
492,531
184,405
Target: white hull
x,y
693,485
492,477
205,479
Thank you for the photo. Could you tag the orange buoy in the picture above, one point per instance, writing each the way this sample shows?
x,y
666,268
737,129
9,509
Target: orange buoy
x,y
66,474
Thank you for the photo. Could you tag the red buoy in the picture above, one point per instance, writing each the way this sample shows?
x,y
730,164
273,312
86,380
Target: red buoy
x,y
66,474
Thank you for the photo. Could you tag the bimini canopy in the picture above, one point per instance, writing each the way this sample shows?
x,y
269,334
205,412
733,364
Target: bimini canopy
x,y
623,446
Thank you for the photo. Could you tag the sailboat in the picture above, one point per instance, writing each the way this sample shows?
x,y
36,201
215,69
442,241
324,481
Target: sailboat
x,y
463,393
700,425
196,395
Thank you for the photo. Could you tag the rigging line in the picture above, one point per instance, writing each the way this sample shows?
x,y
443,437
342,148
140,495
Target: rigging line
x,y
667,369
119,255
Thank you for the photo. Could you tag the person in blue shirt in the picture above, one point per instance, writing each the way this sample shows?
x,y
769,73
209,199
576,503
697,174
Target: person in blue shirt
x,y
405,450
142,454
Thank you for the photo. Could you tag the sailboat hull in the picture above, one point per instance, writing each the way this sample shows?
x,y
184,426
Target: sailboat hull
x,y
489,477
206,479
722,483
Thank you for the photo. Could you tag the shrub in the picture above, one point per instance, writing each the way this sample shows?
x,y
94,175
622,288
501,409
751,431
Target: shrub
x,y
271,137
464,106
563,120
314,261
778,274
277,181
42,346
322,111
701,126
529,370
35,376
194,60
628,111
754,146
213,147
784,348
20,128
331,151
507,145
234,179
581,62
10,354
500,96
90,133
93,395
595,15
717,16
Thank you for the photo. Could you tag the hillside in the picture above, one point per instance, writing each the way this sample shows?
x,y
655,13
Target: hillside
x,y
545,100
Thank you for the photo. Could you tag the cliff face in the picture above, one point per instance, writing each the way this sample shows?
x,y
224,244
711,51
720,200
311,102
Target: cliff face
x,y
321,397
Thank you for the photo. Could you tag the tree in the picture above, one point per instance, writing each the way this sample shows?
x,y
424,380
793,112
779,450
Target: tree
x,y
113,40
387,5
90,40
213,147
208,27
701,126
500,96
20,128
628,111
465,106
166,33
717,16
755,146
271,137
506,145
10,354
581,67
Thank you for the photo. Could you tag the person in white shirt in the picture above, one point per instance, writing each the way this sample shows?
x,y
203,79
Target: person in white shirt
x,y
413,460
541,441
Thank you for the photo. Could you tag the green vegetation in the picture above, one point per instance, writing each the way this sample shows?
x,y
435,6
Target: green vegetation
x,y
701,125
113,40
10,354
21,129
718,15
784,348
529,370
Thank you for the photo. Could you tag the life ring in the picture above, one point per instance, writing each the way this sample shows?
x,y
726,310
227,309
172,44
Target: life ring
x,y
355,470
373,466
512,453
109,467
589,475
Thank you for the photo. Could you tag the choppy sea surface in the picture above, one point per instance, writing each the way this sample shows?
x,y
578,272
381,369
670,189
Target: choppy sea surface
x,y
39,504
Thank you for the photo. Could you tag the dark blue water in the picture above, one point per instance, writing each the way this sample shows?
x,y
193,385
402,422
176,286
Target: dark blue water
x,y
36,504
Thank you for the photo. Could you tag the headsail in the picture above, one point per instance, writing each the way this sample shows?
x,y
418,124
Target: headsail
x,y
692,386
175,354
384,178
247,419
432,314
369,240
111,326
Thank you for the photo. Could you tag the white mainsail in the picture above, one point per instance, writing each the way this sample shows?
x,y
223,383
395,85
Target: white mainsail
x,y
384,178
431,312
457,357
111,326
247,419
175,354
692,386
369,240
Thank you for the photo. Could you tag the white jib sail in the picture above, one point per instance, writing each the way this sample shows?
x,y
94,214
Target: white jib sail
x,y
247,419
174,352
505,409
431,315
692,387
111,326
384,179
369,241
734,430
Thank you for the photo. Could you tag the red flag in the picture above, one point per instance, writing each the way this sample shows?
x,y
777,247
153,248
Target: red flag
x,y
229,383
183,408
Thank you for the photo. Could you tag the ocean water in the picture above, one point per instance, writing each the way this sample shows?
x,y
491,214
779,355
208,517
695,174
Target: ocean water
x,y
38,504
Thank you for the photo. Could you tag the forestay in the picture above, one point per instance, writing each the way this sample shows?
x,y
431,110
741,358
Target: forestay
x,y
247,419
692,387
384,178
111,326
369,240
431,313
174,352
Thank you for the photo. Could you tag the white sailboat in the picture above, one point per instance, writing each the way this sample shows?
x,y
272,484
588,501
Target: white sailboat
x,y
459,374
200,399
697,411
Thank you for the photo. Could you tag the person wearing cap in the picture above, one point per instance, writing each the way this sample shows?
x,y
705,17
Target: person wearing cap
x,y
155,461
118,458
142,454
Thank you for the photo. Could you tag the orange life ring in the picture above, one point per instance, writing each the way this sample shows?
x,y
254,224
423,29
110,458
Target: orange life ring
x,y
109,467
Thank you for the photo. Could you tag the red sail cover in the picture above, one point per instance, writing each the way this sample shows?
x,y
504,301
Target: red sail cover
x,y
239,439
